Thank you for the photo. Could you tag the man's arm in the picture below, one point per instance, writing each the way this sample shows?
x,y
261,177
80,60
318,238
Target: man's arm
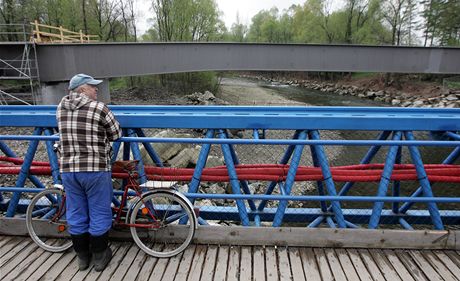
x,y
113,130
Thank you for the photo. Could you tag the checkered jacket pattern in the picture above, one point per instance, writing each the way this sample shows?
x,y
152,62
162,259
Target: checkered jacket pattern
x,y
86,128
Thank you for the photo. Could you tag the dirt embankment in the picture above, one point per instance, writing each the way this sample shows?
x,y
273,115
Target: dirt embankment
x,y
407,92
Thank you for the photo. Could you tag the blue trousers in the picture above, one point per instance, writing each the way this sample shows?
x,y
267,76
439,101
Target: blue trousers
x,y
88,202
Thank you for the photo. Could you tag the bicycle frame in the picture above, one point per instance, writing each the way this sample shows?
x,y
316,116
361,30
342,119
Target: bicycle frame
x,y
133,185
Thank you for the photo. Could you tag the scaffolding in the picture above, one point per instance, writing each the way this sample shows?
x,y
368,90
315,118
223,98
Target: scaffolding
x,y
19,73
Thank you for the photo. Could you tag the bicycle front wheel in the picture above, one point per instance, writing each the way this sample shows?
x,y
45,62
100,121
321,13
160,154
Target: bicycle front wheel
x,y
46,222
162,224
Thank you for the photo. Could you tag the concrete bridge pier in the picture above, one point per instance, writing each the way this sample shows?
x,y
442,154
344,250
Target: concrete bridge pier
x,y
53,92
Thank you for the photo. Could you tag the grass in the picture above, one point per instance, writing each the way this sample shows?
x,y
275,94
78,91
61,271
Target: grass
x,y
118,84
363,74
452,84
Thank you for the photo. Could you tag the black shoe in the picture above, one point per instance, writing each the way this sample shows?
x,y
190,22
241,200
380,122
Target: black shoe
x,y
102,259
81,247
101,251
83,260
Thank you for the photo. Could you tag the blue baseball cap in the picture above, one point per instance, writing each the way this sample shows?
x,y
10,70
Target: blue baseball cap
x,y
81,79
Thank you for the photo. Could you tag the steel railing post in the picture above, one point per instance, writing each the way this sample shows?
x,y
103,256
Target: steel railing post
x,y
327,175
384,181
290,179
234,182
25,167
424,182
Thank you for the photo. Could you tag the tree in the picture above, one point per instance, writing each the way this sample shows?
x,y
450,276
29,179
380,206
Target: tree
x,y
399,14
306,23
441,22
238,30
186,20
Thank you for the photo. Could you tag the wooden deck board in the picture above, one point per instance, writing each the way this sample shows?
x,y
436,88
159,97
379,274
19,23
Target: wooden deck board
x,y
398,265
39,263
440,268
284,264
346,264
171,269
147,266
271,264
209,263
11,252
310,265
222,264
429,271
8,246
25,261
323,264
160,268
448,263
296,264
384,265
335,265
22,265
411,265
233,272
115,262
246,263
259,263
185,263
371,265
197,263
46,271
359,266
18,259
5,239
125,263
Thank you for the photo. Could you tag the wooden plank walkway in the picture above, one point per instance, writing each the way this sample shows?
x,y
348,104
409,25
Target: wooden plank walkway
x,y
21,259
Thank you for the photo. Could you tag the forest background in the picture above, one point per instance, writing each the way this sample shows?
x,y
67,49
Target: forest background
x,y
370,22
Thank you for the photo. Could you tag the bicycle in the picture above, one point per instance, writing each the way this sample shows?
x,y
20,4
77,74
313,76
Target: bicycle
x,y
162,221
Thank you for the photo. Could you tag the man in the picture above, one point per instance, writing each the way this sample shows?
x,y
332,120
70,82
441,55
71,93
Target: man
x,y
86,128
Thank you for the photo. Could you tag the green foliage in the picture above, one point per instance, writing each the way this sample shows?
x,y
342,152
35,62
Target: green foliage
x,y
364,74
118,84
112,20
441,22
186,20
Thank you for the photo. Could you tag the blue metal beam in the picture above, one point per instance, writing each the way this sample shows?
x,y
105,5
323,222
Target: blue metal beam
x,y
254,117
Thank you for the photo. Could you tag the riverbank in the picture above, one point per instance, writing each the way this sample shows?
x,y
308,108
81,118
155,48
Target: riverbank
x,y
411,95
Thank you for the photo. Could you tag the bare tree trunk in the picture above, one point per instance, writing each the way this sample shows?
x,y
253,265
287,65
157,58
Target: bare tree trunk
x,y
85,22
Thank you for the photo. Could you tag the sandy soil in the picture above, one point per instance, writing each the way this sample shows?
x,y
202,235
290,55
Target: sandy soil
x,y
243,92
234,91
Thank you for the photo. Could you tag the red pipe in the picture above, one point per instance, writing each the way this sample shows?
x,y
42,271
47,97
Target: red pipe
x,y
267,172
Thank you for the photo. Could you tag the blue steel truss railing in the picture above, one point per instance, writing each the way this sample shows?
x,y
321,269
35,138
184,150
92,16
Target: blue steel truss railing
x,y
306,122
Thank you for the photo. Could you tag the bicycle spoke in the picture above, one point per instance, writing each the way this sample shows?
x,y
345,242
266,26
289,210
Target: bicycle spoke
x,y
45,219
161,225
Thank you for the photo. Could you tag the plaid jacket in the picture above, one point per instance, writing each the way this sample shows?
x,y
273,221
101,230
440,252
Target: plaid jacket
x,y
86,128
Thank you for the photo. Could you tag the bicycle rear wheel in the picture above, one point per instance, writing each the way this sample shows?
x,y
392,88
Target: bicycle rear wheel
x,y
157,230
46,222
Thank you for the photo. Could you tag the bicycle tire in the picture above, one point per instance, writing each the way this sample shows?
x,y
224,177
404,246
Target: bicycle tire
x,y
40,212
164,237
